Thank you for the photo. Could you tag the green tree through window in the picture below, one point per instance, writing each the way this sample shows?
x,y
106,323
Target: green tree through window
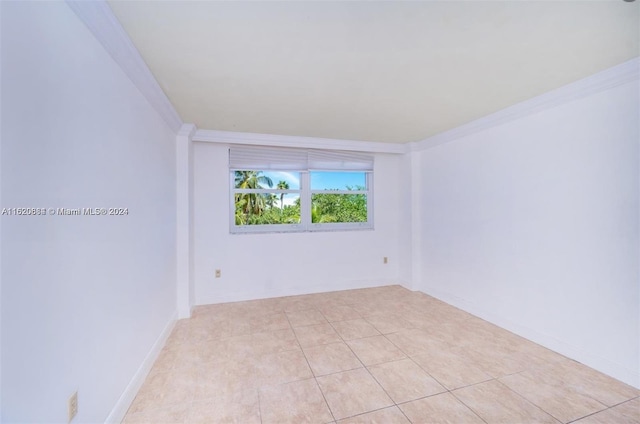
x,y
330,201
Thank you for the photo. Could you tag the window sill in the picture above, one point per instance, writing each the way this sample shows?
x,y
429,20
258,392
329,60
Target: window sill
x,y
324,229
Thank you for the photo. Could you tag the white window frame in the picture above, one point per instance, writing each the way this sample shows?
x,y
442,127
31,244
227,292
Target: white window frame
x,y
265,228
305,193
337,226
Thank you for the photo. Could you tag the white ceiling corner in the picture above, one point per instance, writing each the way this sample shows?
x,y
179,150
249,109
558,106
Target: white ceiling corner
x,y
100,20
389,72
621,74
233,137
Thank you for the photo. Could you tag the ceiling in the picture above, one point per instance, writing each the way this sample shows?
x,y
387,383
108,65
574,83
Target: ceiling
x,y
369,70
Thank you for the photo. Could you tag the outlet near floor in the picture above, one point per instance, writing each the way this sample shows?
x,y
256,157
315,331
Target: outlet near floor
x,y
72,405
218,273
385,260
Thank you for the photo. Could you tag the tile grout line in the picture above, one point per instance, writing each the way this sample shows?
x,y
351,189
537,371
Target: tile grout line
x,y
252,330
438,381
372,376
498,380
408,357
362,363
603,410
527,400
315,378
259,404
468,407
375,410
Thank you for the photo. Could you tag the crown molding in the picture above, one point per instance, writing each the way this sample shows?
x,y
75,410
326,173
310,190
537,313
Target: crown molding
x,y
99,18
187,130
230,137
621,74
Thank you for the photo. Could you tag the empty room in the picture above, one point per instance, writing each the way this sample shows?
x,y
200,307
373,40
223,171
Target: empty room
x,y
320,212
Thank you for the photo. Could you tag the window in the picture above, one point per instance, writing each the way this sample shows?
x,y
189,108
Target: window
x,y
266,198
275,190
338,197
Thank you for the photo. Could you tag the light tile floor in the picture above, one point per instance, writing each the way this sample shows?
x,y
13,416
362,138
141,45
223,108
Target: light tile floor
x,y
379,355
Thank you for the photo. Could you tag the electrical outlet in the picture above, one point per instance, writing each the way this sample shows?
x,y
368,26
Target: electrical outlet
x,y
72,405
385,260
218,273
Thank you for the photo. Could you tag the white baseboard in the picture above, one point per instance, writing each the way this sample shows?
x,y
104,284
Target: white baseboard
x,y
120,409
240,296
617,371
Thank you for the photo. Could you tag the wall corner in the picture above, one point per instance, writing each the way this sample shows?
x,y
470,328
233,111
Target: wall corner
x,y
184,220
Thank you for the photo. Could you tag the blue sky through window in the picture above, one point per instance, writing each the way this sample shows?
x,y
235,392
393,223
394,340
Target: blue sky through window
x,y
319,180
292,178
337,180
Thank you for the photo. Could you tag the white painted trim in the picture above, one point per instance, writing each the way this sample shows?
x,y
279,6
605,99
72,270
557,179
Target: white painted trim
x,y
626,375
121,407
1,244
241,296
416,221
305,194
184,220
186,130
105,27
230,137
621,74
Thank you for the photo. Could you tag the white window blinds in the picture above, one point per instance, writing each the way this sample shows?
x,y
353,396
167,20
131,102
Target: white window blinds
x,y
276,158
327,160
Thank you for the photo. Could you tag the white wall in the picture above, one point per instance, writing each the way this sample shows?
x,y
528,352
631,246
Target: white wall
x,y
267,265
83,298
534,225
405,224
1,48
